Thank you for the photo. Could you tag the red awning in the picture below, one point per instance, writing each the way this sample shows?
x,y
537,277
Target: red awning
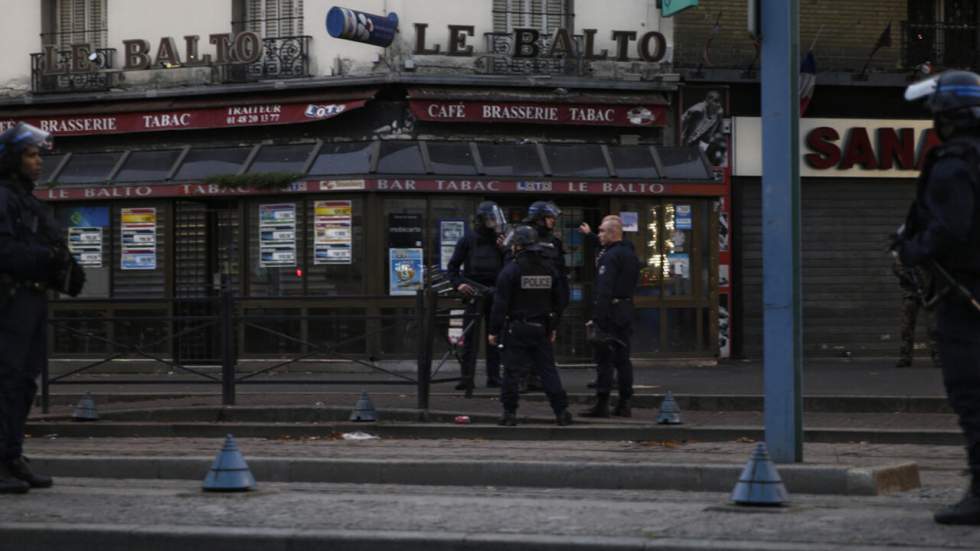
x,y
190,115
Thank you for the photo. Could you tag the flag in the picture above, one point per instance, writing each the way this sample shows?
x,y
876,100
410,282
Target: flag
x,y
884,41
808,80
706,51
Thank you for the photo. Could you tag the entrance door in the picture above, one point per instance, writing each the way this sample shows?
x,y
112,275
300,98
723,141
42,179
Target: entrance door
x,y
676,299
206,254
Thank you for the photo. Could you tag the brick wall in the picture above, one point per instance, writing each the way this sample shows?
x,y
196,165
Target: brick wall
x,y
850,30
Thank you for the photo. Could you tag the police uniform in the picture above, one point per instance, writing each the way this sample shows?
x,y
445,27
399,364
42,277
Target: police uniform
x,y
481,260
617,272
942,231
526,309
909,279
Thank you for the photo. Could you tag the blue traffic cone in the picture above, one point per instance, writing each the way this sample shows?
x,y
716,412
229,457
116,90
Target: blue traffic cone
x,y
670,412
759,483
364,410
229,472
85,410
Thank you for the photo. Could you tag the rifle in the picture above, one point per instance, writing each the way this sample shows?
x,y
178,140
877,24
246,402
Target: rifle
x,y
439,281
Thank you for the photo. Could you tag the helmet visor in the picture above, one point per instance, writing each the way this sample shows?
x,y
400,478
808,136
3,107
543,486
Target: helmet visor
x,y
496,217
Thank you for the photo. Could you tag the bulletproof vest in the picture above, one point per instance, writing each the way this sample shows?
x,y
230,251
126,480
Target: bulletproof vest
x,y
32,222
967,148
485,259
532,298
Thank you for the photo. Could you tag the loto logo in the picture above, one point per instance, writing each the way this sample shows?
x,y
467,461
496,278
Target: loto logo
x,y
324,111
641,116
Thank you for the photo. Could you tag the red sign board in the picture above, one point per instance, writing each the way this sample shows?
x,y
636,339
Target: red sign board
x,y
565,187
189,119
539,113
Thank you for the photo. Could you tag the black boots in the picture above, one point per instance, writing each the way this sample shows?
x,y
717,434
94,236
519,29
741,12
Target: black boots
x,y
20,469
564,418
967,511
508,419
9,484
623,408
600,409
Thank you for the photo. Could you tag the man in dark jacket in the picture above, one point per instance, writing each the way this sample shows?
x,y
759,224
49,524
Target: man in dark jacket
x,y
526,312
481,257
942,233
33,259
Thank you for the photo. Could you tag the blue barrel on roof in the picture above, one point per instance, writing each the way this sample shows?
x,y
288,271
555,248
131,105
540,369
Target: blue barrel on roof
x,y
363,27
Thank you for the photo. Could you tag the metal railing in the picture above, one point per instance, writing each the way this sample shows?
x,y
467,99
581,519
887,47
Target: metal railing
x,y
229,318
46,79
284,57
940,43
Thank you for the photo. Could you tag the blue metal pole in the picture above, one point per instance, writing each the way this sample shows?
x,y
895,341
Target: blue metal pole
x,y
782,323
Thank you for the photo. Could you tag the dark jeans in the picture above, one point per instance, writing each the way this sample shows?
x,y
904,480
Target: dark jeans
x,y
613,357
480,309
521,358
23,353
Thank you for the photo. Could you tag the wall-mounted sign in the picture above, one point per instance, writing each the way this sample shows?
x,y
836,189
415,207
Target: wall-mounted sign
x,y
362,27
853,148
138,233
539,113
404,271
188,119
450,232
332,243
410,185
404,230
277,235
85,233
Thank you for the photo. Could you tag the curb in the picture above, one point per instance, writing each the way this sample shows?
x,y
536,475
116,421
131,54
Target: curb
x,y
544,431
105,537
806,479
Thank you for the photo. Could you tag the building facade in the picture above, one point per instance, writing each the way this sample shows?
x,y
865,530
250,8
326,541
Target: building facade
x,y
239,143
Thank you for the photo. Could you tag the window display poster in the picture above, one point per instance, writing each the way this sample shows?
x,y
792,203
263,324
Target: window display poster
x,y
86,217
332,242
723,279
682,217
138,232
404,230
450,231
631,221
404,271
85,244
680,265
277,235
722,231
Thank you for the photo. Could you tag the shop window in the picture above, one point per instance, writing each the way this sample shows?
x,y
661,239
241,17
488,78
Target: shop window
x,y
87,335
68,22
633,161
343,329
49,164
201,163
139,250
580,161
343,158
148,166
405,257
683,163
144,329
400,158
399,331
511,160
677,247
271,18
450,219
451,158
88,168
276,335
682,329
281,158
543,15
646,331
276,255
335,247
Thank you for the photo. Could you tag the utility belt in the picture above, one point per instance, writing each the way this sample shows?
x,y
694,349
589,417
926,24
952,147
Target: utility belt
x,y
9,287
528,329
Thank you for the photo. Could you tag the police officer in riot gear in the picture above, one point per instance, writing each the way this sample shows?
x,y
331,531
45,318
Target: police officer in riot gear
x,y
611,327
942,233
526,311
481,256
33,259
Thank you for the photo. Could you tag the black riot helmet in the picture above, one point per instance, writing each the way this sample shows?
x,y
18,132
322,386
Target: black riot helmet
x,y
540,209
14,141
522,236
490,217
953,97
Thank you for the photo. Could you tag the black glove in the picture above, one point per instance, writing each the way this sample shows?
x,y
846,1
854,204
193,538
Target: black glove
x,y
76,279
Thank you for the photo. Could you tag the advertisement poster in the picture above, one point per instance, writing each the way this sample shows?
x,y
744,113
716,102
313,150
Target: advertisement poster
x,y
85,244
404,231
680,265
404,271
332,243
450,231
631,221
138,232
704,122
682,217
277,235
